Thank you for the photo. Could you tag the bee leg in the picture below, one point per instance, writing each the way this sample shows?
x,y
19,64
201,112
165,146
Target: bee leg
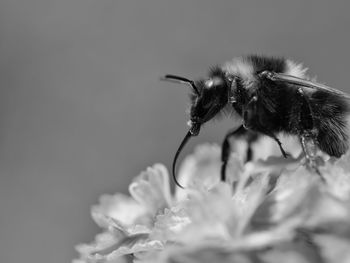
x,y
308,133
285,155
250,120
309,148
226,149
250,137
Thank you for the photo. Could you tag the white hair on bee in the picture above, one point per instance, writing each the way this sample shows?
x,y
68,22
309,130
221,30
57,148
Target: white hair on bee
x,y
213,82
295,69
239,67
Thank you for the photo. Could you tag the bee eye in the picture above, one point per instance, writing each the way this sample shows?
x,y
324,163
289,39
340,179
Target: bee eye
x,y
209,83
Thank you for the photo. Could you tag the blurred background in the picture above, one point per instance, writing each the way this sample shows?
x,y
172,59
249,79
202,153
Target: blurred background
x,y
83,111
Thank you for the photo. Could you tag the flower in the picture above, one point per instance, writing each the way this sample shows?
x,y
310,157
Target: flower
x,y
271,209
129,220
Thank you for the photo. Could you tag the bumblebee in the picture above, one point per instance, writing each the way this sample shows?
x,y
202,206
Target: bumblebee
x,y
270,96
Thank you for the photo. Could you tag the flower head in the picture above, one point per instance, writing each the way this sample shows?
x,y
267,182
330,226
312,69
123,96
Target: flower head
x,y
268,210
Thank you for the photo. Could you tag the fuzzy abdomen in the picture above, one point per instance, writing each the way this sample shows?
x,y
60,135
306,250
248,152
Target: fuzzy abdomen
x,y
331,112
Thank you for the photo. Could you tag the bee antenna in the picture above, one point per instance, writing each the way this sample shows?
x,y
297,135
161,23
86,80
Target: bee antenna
x,y
170,77
183,143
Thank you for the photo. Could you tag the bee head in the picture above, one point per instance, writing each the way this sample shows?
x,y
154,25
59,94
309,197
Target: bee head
x,y
208,98
208,102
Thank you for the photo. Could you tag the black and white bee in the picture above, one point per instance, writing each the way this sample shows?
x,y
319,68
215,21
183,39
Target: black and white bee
x,y
270,95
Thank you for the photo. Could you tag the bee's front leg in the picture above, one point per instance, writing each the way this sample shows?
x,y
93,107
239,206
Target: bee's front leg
x,y
226,149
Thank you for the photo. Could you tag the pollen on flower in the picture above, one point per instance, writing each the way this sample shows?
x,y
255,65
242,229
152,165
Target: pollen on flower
x,y
271,209
181,223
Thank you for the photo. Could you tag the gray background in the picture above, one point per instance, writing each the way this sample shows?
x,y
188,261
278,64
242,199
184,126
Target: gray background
x,y
82,110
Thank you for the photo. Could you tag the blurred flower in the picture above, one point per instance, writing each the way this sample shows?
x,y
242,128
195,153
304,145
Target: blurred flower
x,y
269,210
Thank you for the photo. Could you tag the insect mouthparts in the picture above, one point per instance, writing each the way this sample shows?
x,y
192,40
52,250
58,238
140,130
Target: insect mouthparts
x,y
194,130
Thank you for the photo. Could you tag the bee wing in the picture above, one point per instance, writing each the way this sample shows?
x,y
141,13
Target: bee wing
x,y
302,82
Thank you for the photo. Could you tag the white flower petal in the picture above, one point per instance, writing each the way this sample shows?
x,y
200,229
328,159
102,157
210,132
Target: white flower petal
x,y
333,249
201,170
330,213
203,215
131,245
151,189
246,201
293,196
277,256
337,179
119,207
102,241
209,255
170,224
